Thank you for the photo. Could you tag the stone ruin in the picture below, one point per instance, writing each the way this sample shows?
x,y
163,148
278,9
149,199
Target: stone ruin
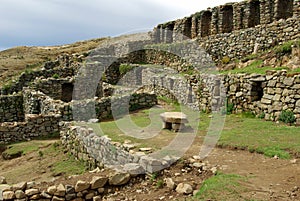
x,y
42,102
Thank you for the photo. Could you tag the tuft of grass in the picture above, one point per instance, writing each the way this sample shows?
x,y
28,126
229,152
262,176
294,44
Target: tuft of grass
x,y
287,117
124,68
221,186
69,166
274,151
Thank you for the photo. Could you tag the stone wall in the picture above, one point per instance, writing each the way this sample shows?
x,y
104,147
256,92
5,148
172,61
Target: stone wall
x,y
234,29
11,108
265,94
63,66
33,126
100,151
227,18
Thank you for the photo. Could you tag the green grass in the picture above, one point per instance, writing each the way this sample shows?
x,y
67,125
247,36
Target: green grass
x,y
221,187
254,67
242,131
24,147
260,136
69,166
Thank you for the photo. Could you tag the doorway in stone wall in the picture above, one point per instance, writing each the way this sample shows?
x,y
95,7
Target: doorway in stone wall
x,y
67,92
257,91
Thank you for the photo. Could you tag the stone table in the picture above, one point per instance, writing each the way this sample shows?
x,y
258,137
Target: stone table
x,y
174,120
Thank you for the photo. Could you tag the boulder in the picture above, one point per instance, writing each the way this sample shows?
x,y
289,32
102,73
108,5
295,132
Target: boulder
x,y
170,183
98,182
183,188
8,195
119,179
81,186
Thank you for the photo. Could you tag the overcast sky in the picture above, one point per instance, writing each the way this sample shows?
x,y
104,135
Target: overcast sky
x,y
57,22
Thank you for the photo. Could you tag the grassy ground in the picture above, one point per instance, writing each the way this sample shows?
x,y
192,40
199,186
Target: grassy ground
x,y
45,156
221,187
240,131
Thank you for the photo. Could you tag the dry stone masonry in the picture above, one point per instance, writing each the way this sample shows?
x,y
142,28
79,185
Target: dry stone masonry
x,y
234,29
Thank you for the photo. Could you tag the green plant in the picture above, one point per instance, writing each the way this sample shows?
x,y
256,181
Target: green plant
x,y
229,108
274,151
56,76
248,114
286,48
225,60
287,116
261,115
41,154
124,68
220,185
159,183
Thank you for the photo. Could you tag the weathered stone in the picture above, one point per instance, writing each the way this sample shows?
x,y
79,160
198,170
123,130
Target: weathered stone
x,y
170,183
35,197
70,196
288,81
2,180
51,190
19,186
8,195
55,198
81,186
70,189
183,188
97,198
20,194
44,194
133,169
60,191
119,179
5,187
89,195
32,191
98,182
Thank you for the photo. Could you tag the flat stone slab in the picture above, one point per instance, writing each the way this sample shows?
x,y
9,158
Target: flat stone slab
x,y
174,120
174,117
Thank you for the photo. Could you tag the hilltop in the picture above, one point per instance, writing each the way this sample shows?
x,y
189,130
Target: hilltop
x,y
18,59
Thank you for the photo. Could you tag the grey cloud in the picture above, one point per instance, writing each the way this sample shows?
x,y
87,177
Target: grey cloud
x,y
52,22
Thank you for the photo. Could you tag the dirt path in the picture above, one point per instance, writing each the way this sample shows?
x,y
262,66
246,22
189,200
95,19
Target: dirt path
x,y
268,178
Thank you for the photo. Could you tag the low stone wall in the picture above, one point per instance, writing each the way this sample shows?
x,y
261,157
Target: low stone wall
x,y
100,151
11,108
93,189
265,94
34,126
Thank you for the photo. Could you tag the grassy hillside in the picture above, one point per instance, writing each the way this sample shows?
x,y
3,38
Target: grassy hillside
x,y
15,60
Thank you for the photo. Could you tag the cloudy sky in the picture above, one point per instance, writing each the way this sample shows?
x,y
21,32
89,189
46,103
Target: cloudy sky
x,y
56,22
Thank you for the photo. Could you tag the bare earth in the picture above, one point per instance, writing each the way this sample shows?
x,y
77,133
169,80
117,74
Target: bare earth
x,y
267,178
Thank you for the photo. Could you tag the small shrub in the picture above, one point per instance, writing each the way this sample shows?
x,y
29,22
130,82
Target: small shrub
x,y
261,116
248,115
125,68
56,76
287,116
286,48
225,60
229,108
159,184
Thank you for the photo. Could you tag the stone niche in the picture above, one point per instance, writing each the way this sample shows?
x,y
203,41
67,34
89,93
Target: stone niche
x,y
284,9
67,92
257,91
206,23
254,18
227,18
